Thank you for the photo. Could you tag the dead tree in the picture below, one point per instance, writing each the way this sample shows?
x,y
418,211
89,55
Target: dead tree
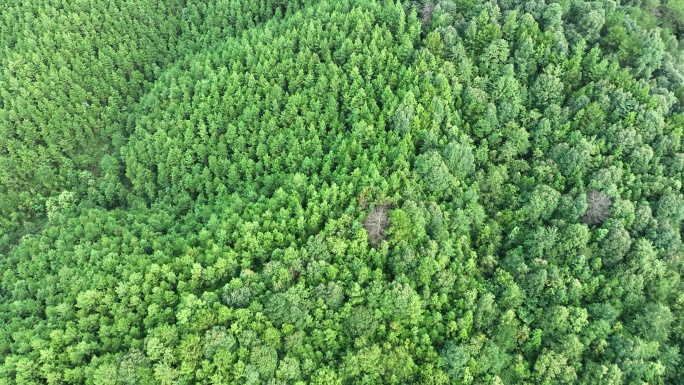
x,y
426,13
376,223
598,208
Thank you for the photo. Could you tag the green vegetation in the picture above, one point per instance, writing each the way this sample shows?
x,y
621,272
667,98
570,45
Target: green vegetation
x,y
341,192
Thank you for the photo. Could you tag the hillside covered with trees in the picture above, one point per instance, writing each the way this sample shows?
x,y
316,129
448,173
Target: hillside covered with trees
x,y
341,192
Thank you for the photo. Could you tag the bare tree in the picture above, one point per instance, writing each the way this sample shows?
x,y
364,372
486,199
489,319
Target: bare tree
x,y
426,13
376,223
598,208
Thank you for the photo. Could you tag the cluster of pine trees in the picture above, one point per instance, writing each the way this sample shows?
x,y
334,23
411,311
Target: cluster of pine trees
x,y
341,192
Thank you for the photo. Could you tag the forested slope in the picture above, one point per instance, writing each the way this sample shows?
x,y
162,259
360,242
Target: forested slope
x,y
344,192
73,72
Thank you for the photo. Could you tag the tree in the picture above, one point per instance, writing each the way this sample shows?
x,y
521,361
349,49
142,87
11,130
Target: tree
x,y
542,203
426,13
615,245
455,357
265,361
402,304
552,367
459,159
673,15
547,89
289,369
598,208
653,322
376,223
433,172
361,322
290,307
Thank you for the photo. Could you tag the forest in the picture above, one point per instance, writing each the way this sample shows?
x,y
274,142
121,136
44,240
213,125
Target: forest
x,y
293,192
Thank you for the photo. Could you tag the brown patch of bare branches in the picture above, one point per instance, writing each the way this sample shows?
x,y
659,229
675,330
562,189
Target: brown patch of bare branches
x,y
295,274
376,223
598,208
426,13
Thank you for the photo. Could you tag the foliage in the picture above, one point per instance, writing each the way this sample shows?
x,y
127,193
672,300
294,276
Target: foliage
x,y
328,192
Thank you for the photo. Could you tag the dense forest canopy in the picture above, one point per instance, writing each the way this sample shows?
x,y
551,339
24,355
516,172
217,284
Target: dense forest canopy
x,y
341,192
